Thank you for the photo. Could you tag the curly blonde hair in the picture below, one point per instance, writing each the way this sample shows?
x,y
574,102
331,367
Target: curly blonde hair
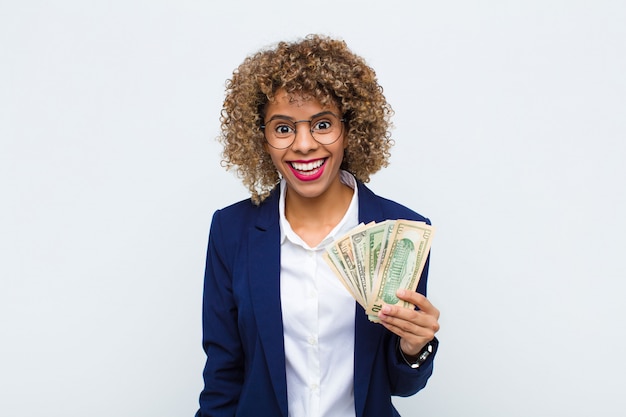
x,y
315,67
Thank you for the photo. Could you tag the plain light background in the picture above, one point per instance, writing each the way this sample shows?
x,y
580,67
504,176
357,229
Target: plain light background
x,y
510,132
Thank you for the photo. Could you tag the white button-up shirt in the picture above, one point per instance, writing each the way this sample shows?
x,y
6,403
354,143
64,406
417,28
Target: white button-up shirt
x,y
318,319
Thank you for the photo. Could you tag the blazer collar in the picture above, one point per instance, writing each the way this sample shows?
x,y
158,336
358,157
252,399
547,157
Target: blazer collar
x,y
268,211
369,205
369,208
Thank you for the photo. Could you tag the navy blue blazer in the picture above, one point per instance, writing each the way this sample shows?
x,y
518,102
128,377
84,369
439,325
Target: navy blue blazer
x,y
244,373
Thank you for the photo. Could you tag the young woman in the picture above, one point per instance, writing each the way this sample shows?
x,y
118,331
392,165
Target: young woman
x,y
305,124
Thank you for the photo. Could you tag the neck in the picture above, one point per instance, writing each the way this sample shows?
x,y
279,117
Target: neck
x,y
313,218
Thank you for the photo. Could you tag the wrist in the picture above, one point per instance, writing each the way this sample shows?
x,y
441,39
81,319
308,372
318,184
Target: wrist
x,y
422,356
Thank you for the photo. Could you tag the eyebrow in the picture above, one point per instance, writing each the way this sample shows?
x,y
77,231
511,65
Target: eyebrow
x,y
315,116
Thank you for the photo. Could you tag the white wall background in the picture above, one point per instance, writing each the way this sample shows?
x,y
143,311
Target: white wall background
x,y
510,124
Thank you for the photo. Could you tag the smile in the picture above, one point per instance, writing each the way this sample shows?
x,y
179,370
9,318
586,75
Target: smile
x,y
308,166
308,171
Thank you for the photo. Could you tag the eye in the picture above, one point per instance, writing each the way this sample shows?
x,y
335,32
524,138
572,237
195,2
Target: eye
x,y
322,125
282,129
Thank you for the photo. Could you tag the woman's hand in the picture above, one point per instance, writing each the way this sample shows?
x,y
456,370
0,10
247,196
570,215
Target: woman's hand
x,y
415,327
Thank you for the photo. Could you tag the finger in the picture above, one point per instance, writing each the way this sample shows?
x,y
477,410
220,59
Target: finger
x,y
419,300
392,313
413,337
402,328
396,329
409,319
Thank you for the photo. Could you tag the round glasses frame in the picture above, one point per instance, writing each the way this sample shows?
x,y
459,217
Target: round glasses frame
x,y
285,140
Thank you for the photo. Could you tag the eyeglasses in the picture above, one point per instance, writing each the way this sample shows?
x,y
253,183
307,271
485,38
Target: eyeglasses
x,y
325,127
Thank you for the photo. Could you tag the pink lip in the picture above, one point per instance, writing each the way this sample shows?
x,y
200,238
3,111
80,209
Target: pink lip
x,y
309,176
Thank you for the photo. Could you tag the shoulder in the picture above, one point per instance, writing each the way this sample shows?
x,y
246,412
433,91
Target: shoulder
x,y
244,208
400,211
381,208
240,216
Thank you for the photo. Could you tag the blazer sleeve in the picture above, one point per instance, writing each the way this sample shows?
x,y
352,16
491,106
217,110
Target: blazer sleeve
x,y
224,368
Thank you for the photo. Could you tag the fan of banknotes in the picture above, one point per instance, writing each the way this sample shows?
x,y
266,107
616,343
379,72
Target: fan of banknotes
x,y
374,260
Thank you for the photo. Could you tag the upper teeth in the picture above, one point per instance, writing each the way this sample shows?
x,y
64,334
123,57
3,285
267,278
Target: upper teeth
x,y
307,166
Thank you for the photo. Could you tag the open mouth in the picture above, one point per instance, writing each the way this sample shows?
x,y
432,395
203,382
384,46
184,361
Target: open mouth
x,y
307,166
308,170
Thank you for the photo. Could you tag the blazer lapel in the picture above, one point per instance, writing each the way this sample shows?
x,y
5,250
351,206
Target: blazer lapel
x,y
264,276
367,334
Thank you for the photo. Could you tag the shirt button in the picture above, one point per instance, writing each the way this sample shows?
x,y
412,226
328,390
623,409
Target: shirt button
x,y
314,387
312,340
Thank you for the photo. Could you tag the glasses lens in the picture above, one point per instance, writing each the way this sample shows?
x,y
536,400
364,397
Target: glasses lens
x,y
326,129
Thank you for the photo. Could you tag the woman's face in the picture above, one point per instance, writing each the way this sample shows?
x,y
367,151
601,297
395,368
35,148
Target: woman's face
x,y
310,168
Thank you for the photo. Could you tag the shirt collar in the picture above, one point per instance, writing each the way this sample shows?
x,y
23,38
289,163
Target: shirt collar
x,y
349,220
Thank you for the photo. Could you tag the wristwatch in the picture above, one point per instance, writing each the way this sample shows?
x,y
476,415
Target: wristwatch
x,y
417,360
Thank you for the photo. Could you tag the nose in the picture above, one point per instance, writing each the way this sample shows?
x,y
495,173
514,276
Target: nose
x,y
304,141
